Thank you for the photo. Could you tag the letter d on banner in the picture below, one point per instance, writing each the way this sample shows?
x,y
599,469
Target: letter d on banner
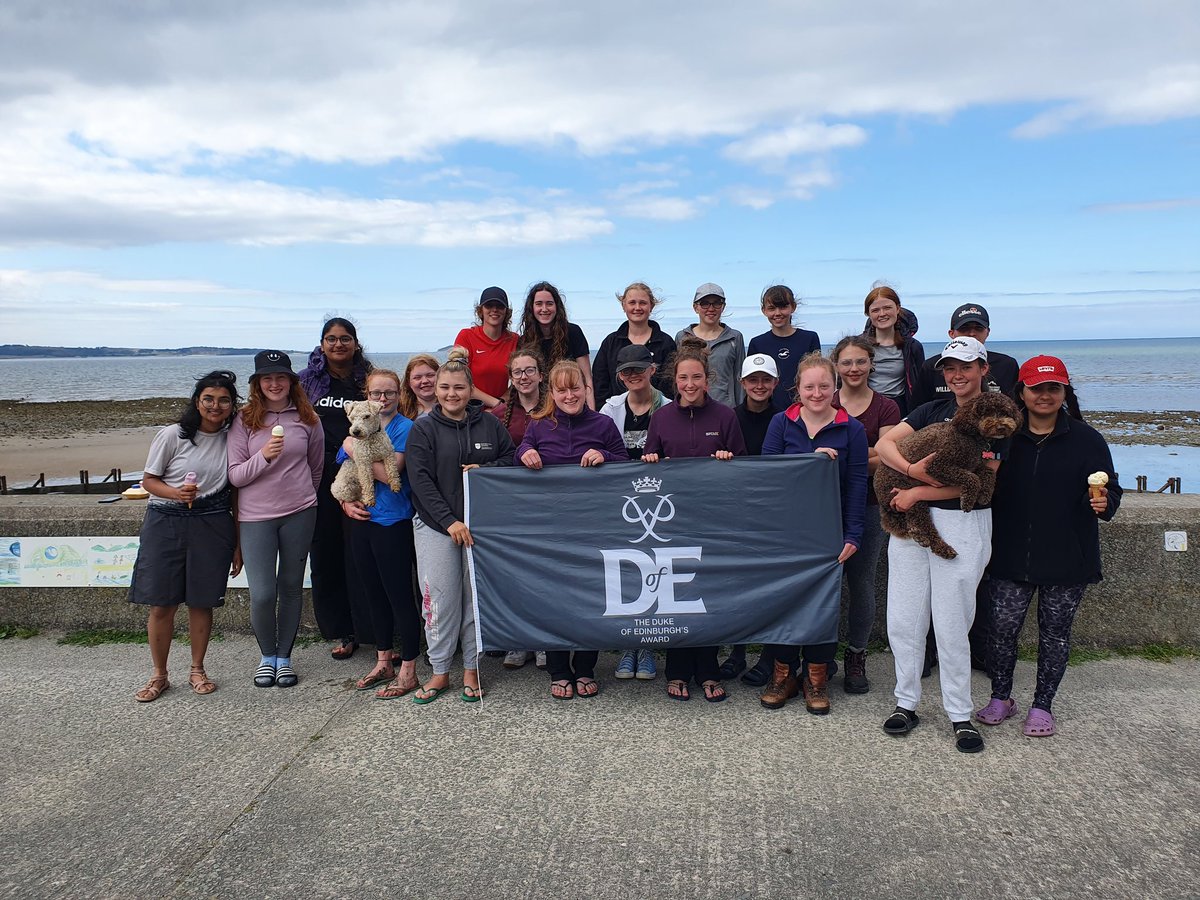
x,y
657,579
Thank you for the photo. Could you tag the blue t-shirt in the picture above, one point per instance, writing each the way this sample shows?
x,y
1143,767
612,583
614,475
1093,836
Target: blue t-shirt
x,y
787,353
391,507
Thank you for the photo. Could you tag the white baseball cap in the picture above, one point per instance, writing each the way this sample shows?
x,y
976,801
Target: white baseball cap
x,y
966,349
759,362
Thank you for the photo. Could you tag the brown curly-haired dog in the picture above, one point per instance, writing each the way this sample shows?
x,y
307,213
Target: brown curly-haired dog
x,y
960,445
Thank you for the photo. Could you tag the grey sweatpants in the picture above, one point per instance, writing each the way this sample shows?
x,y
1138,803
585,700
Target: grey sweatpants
x,y
447,606
274,552
921,584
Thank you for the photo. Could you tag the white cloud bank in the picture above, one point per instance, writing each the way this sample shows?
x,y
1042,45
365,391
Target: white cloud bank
x,y
125,124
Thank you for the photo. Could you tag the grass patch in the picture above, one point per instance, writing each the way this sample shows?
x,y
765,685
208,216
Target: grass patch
x,y
17,631
1081,655
1164,653
307,639
94,637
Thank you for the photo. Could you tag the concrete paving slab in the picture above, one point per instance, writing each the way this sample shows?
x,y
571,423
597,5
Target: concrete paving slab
x,y
321,791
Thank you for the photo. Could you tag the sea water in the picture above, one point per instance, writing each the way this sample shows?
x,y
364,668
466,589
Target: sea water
x,y
1135,375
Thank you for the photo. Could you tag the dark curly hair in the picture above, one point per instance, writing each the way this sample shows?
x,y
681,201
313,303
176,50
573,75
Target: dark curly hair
x,y
189,419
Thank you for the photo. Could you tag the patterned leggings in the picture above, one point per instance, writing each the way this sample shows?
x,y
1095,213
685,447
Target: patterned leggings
x,y
1057,605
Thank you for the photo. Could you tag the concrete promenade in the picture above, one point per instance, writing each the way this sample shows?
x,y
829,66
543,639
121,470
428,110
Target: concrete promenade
x,y
321,791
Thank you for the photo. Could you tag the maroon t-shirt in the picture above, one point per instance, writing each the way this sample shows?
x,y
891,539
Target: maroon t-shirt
x,y
881,413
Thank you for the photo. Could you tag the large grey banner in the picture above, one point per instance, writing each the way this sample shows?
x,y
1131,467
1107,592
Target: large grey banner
x,y
685,553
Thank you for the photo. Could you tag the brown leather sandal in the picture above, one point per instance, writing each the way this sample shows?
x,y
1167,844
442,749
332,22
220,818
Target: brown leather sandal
x,y
200,682
154,689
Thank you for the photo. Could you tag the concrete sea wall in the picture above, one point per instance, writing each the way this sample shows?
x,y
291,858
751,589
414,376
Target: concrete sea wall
x,y
1149,594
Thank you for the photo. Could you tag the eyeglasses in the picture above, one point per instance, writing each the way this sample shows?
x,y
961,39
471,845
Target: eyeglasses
x,y
710,304
211,403
844,363
527,372
382,395
344,339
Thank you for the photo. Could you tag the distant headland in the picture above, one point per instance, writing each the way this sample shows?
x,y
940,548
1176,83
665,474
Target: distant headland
x,y
25,351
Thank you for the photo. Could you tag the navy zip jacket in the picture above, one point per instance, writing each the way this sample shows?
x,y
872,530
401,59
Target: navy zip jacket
x,y
845,434
1043,527
677,430
438,448
605,382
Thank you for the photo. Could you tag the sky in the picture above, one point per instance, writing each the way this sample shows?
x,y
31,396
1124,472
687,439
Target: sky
x,y
230,174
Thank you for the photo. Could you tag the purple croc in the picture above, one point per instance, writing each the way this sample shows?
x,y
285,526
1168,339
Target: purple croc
x,y
997,711
1039,723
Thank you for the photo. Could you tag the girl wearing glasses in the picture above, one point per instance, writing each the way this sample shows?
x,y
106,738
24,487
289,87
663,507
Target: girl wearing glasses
x,y
381,540
854,358
544,326
527,372
336,372
726,347
188,541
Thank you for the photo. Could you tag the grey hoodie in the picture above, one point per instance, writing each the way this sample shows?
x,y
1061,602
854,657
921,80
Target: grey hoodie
x,y
438,448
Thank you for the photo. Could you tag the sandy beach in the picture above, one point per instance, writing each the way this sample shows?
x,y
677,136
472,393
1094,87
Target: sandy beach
x,y
61,438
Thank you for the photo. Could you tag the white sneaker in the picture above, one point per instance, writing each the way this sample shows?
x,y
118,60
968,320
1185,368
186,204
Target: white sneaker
x,y
514,659
539,658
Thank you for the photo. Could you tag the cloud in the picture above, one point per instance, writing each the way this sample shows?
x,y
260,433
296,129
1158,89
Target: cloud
x,y
1144,205
806,137
217,121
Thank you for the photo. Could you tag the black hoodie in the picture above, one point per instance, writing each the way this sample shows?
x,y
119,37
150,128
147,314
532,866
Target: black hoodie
x,y
438,448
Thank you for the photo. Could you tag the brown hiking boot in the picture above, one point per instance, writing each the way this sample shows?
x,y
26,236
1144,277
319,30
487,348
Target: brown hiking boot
x,y
781,688
856,672
816,697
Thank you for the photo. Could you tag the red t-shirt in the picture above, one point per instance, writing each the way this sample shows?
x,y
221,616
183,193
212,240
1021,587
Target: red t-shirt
x,y
880,413
489,359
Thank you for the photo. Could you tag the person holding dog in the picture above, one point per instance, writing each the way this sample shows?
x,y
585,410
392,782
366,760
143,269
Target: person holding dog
x,y
922,585
276,455
1046,536
382,543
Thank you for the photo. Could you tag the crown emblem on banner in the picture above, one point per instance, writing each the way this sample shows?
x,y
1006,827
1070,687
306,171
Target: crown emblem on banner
x,y
647,485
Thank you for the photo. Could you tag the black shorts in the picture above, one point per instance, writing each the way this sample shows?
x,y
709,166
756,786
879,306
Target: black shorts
x,y
183,559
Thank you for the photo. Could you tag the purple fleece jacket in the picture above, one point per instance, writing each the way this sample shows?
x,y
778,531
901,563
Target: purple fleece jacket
x,y
677,430
562,440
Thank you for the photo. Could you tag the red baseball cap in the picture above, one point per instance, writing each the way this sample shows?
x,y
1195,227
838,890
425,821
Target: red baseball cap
x,y
1042,369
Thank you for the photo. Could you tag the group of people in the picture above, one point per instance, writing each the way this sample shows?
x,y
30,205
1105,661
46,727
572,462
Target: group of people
x,y
236,484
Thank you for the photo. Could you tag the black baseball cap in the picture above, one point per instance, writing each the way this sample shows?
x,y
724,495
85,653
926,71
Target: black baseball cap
x,y
635,356
269,362
969,312
493,295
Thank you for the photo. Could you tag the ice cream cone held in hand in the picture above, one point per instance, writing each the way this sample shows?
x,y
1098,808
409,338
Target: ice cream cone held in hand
x,y
1096,483
189,478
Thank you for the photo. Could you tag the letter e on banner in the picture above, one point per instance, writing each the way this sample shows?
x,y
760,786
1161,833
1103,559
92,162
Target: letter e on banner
x,y
656,579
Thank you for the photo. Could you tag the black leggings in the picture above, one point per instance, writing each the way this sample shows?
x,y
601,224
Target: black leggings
x,y
336,587
1057,605
562,668
383,555
813,653
687,663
